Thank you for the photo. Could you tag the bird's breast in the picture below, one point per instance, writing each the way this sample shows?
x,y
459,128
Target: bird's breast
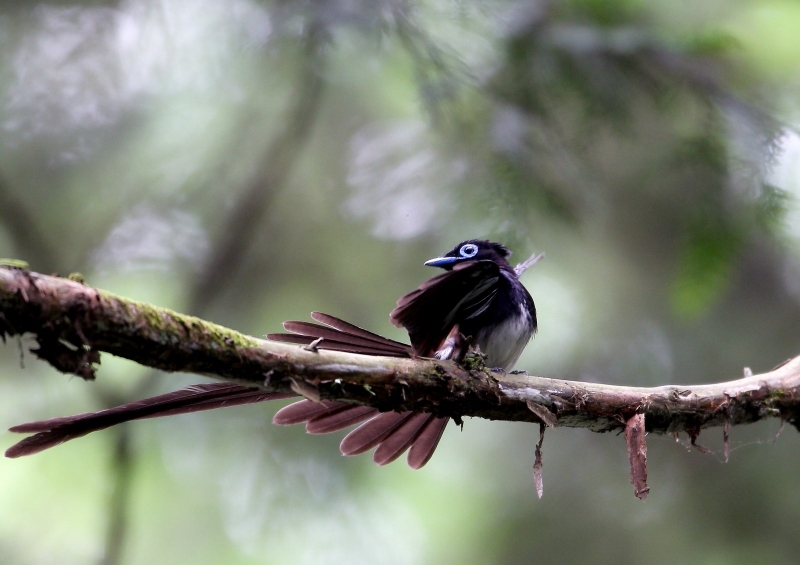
x,y
504,341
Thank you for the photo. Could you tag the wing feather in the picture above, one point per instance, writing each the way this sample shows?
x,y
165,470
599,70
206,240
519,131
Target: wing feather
x,y
429,312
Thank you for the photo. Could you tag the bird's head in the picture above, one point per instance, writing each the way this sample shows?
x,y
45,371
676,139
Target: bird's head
x,y
471,250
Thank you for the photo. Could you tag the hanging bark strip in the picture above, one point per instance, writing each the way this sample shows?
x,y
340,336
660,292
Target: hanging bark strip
x,y
637,454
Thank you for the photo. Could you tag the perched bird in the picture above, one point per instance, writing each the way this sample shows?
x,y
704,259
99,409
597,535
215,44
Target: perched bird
x,y
477,302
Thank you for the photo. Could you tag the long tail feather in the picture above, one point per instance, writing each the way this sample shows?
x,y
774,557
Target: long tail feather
x,y
52,432
323,417
426,442
325,332
337,420
347,327
333,344
302,411
400,440
393,433
373,432
338,335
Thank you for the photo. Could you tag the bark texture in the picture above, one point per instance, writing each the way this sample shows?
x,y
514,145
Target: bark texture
x,y
73,323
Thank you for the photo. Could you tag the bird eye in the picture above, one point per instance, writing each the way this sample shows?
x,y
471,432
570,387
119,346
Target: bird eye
x,y
468,250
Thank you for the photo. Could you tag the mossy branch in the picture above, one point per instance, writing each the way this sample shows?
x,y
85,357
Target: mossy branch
x,y
73,323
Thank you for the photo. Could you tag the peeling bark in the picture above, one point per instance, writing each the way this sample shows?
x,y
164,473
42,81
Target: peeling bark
x,y
637,454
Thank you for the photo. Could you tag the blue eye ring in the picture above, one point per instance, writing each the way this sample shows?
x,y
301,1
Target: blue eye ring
x,y
468,250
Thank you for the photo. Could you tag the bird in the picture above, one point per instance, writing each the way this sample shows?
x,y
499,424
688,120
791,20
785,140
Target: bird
x,y
476,303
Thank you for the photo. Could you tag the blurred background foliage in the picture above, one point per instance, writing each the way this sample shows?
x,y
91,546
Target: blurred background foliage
x,y
249,161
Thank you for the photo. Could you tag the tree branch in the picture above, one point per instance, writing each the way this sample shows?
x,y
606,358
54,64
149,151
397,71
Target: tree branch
x,y
73,323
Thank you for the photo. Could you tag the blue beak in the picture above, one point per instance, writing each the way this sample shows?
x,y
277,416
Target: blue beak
x,y
441,261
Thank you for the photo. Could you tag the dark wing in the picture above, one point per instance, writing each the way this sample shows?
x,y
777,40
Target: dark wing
x,y
429,312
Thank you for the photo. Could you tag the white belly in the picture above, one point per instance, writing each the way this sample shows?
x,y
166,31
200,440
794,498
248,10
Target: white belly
x,y
508,340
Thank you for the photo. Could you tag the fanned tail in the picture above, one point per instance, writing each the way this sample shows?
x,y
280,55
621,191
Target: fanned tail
x,y
426,442
393,433
55,431
337,335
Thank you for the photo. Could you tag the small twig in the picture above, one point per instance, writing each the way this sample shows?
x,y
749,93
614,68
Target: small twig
x,y
701,448
780,430
543,413
726,438
538,482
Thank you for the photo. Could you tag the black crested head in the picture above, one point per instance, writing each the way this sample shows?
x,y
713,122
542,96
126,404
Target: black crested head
x,y
472,250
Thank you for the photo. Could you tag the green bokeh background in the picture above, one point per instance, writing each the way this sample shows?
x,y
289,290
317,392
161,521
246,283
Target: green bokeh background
x,y
650,149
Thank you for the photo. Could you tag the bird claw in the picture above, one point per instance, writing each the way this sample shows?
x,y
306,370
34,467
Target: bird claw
x,y
520,372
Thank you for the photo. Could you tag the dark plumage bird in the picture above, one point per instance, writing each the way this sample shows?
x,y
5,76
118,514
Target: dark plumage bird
x,y
477,302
